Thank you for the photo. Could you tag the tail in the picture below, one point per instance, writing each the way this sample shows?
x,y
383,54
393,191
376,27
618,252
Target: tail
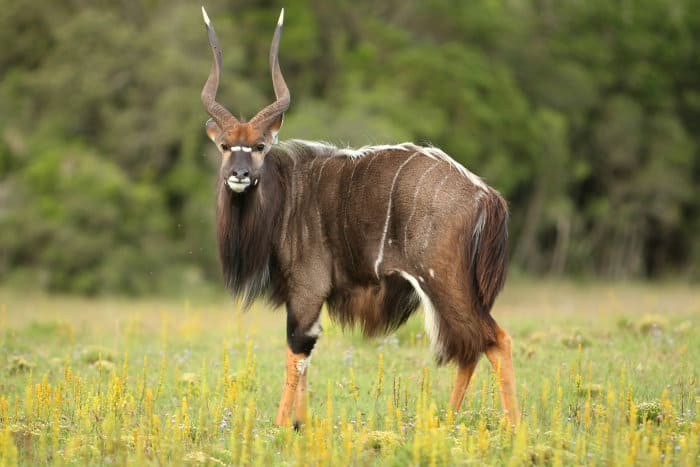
x,y
489,263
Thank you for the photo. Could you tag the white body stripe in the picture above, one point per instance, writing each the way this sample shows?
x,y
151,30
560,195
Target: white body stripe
x,y
438,187
432,325
413,208
345,219
380,256
320,172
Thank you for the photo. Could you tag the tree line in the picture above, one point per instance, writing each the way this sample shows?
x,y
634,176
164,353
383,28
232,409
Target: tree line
x,y
584,115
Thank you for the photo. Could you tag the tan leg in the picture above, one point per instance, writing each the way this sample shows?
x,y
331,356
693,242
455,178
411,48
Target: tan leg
x,y
300,401
464,375
500,357
295,367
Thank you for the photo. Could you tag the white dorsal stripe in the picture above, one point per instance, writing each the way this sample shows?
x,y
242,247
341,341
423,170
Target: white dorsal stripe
x,y
428,151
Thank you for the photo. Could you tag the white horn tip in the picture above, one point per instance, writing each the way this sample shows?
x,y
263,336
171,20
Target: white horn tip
x,y
206,17
281,20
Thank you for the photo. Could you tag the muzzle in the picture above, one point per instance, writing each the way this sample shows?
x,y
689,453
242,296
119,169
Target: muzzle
x,y
240,184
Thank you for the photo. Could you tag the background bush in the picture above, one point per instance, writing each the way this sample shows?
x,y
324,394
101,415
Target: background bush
x,y
585,115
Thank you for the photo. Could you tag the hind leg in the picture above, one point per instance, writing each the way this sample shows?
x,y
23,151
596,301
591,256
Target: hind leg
x,y
464,375
499,355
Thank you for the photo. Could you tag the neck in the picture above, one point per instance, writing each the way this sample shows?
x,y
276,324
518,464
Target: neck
x,y
246,224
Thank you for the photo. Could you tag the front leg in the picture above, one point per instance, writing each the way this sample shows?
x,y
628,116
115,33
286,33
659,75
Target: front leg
x,y
303,329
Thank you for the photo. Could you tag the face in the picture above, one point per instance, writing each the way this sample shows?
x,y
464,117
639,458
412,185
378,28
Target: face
x,y
243,150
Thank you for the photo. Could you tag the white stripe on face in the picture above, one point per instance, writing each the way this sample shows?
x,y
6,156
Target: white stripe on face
x,y
241,148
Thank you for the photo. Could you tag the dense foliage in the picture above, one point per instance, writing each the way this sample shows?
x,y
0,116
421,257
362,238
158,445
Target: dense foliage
x,y
585,115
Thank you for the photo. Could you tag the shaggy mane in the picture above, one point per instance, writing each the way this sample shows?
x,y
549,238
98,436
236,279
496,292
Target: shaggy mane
x,y
245,228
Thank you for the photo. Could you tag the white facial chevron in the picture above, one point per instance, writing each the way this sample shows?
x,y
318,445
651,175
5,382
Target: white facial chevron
x,y
241,148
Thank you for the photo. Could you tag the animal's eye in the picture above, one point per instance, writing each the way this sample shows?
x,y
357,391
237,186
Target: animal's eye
x,y
260,147
225,147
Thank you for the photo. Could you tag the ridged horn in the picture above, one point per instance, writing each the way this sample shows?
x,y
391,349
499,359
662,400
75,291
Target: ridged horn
x,y
281,90
219,113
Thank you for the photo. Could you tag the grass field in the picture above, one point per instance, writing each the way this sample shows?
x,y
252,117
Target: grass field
x,y
607,374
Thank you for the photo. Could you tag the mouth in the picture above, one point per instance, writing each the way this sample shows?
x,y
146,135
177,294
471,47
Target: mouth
x,y
239,185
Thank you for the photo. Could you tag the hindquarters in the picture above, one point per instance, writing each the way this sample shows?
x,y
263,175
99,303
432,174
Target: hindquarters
x,y
456,274
459,277
456,330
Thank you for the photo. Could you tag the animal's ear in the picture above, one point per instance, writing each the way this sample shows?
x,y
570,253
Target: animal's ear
x,y
213,130
273,128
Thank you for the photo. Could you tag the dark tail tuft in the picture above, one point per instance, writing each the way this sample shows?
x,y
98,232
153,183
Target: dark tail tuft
x,y
490,250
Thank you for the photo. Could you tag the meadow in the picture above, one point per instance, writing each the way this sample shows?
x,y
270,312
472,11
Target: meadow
x,y
607,375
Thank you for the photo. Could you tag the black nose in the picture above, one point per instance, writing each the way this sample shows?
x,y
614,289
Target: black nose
x,y
241,173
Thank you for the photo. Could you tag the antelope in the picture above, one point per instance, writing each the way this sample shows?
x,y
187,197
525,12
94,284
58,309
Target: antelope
x,y
371,232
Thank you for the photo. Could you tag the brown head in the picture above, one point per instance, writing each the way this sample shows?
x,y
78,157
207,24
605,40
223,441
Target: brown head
x,y
243,145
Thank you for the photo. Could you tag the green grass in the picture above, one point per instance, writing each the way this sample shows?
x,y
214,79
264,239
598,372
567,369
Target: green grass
x,y
607,374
